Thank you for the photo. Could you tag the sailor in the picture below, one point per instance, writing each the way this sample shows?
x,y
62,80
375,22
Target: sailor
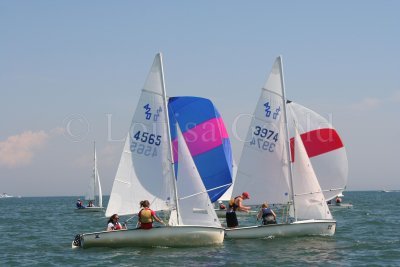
x,y
114,224
236,204
221,205
147,216
268,215
79,204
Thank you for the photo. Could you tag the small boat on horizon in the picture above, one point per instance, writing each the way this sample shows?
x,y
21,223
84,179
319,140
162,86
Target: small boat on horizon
x,y
94,194
5,195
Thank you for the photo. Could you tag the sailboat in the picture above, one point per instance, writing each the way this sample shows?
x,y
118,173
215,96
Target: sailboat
x,y
146,172
272,172
94,193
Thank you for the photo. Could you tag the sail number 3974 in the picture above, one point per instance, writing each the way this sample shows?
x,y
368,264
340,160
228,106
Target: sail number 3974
x,y
264,139
146,143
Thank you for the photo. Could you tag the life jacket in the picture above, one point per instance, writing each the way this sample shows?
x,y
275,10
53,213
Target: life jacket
x,y
145,216
232,204
117,226
267,216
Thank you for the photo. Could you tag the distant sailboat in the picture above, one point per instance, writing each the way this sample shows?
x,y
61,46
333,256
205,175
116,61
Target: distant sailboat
x,y
146,172
271,172
94,194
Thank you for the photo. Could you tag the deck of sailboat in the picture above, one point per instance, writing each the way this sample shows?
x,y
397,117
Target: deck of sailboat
x,y
298,228
222,213
176,236
90,209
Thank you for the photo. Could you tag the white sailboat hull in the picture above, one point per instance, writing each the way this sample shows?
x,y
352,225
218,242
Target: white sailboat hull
x,y
299,228
175,236
90,209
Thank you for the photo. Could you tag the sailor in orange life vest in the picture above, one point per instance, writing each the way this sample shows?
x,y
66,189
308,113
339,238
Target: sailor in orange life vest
x,y
234,205
147,216
113,223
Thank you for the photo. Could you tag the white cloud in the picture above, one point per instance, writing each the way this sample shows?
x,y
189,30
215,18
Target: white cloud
x,y
57,131
19,149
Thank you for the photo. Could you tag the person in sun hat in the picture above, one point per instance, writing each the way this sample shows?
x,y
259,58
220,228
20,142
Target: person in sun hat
x,y
221,205
234,205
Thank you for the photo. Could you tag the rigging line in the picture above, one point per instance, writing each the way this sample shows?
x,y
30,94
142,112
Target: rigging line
x,y
202,192
333,189
309,193
122,181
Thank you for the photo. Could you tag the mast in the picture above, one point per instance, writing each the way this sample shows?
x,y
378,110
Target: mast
x,y
287,138
94,173
169,137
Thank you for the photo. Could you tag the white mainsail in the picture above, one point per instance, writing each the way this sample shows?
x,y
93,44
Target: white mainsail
x,y
100,203
195,207
145,168
94,187
309,199
263,166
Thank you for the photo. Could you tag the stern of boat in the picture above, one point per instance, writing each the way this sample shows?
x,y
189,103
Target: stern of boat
x,y
77,243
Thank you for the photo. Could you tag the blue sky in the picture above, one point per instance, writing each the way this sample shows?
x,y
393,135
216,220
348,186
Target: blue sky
x,y
81,65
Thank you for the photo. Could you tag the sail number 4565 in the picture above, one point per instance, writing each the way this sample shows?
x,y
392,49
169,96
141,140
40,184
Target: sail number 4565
x,y
145,137
146,143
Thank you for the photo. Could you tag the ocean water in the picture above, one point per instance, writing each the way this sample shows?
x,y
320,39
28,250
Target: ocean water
x,y
39,231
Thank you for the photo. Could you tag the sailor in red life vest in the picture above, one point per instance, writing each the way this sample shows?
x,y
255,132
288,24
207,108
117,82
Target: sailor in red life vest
x,y
236,204
147,216
114,224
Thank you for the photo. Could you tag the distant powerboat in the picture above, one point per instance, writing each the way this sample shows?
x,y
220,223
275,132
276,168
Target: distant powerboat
x,y
5,195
